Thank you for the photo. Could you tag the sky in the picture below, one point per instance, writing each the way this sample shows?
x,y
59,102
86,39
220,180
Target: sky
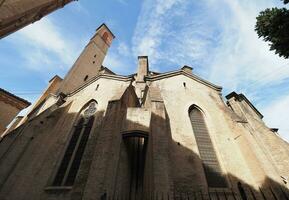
x,y
215,37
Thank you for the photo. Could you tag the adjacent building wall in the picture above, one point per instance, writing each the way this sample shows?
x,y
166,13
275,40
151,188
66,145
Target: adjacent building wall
x,y
16,14
8,112
10,106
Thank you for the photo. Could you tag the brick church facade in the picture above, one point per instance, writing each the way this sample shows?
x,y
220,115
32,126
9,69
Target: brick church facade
x,y
99,135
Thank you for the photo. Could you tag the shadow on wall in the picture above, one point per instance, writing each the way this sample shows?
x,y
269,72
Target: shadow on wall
x,y
186,187
30,155
156,167
183,170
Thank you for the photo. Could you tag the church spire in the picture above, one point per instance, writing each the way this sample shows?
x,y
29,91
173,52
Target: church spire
x,y
90,60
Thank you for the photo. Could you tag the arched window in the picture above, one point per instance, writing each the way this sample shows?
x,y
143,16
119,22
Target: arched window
x,y
105,37
71,160
208,155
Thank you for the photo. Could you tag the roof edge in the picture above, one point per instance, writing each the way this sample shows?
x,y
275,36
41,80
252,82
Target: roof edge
x,y
103,24
243,97
183,72
93,79
25,102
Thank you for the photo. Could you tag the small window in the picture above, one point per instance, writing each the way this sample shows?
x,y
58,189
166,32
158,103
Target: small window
x,y
85,78
105,37
94,55
184,84
93,62
97,87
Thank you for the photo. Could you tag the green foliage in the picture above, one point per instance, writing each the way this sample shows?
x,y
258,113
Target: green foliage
x,y
273,25
286,1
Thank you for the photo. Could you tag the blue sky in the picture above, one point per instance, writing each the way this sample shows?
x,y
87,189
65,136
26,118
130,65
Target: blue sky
x,y
215,37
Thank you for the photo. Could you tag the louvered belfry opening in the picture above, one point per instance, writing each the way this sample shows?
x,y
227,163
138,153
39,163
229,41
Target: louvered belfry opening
x,y
71,160
136,146
208,155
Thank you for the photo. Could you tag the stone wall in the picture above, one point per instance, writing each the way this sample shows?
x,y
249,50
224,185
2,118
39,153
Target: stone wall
x,y
8,112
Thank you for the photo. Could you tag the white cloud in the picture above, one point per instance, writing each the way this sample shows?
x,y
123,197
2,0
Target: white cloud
x,y
117,63
275,114
217,35
44,34
151,28
124,2
44,44
218,39
242,57
123,49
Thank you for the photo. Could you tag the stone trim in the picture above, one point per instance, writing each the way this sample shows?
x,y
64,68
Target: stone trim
x,y
103,24
240,97
135,133
93,79
13,100
182,72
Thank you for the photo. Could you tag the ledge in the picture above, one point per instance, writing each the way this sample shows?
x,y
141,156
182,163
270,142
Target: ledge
x,y
95,78
240,97
183,72
58,188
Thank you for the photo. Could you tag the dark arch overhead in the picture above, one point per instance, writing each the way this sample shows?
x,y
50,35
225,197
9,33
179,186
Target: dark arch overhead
x,y
135,133
207,152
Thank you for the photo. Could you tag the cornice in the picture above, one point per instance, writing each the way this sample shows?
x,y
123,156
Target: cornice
x,y
182,72
7,100
240,97
93,79
13,100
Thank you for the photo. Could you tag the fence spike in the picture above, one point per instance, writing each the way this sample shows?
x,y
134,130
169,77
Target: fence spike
x,y
273,193
233,193
217,195
252,193
201,194
225,195
284,194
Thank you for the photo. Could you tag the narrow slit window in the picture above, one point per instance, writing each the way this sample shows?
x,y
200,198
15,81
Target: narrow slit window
x,y
85,78
208,155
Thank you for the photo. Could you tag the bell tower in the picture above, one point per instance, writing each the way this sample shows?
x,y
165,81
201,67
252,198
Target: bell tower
x,y
90,60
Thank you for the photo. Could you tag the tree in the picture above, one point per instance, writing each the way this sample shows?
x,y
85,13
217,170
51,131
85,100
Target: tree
x,y
273,25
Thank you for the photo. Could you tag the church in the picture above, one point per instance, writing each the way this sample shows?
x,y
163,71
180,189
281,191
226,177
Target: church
x,y
99,135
